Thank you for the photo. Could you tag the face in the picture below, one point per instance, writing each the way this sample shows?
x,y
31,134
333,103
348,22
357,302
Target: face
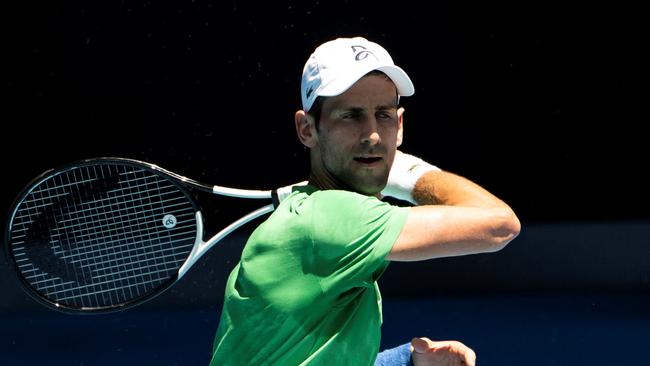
x,y
359,131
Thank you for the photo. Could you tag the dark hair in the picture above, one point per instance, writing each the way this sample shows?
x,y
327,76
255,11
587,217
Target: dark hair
x,y
317,106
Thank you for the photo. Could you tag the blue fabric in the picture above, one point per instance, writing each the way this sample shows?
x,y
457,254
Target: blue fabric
x,y
398,356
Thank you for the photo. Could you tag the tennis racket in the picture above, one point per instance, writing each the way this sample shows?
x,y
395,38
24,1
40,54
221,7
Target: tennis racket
x,y
106,234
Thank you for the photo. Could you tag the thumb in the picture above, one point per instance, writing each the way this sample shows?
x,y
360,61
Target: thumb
x,y
421,345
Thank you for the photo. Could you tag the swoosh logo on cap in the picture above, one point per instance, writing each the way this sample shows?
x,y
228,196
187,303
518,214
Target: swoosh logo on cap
x,y
361,53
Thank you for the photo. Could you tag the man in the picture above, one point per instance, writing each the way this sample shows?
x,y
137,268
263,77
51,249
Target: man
x,y
305,291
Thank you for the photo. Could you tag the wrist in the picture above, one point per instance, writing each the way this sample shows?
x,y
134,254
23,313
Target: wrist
x,y
404,174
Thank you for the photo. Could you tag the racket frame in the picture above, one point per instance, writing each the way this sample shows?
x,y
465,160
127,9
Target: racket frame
x,y
185,185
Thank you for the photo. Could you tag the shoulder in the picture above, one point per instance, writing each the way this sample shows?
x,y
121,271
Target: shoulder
x,y
337,207
341,200
309,196
343,212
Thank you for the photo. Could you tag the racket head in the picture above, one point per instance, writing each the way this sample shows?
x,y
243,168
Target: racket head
x,y
101,234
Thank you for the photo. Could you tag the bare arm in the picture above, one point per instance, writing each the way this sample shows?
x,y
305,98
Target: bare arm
x,y
456,217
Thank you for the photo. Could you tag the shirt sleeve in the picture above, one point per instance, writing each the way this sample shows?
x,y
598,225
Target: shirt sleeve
x,y
351,236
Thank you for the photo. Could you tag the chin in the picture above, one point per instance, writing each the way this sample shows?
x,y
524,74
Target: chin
x,y
370,189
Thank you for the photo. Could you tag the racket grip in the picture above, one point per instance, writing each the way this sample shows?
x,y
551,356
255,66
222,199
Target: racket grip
x,y
281,193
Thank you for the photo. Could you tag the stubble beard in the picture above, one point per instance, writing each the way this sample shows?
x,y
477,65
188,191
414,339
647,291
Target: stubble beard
x,y
341,173
367,183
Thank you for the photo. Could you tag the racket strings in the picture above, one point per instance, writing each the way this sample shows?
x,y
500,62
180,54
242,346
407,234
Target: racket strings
x,y
70,223
98,225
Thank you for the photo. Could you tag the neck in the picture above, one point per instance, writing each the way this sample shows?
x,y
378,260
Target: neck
x,y
321,178
327,181
324,181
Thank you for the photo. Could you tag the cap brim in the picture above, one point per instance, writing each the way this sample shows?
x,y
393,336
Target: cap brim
x,y
402,81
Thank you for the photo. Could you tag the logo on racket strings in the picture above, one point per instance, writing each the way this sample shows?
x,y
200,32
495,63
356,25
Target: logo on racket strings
x,y
169,221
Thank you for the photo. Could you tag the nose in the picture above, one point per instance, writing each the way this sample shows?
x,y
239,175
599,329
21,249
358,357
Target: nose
x,y
370,134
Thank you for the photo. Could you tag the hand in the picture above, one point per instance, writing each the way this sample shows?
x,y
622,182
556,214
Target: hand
x,y
425,352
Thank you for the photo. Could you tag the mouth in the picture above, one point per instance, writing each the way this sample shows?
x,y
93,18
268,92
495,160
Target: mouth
x,y
368,160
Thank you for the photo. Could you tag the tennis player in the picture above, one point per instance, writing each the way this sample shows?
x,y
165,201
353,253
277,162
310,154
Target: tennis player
x,y
305,291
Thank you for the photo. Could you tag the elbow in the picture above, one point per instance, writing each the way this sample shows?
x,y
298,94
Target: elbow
x,y
512,227
506,230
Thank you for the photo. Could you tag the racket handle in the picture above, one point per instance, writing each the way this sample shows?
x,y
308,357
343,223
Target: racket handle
x,y
281,193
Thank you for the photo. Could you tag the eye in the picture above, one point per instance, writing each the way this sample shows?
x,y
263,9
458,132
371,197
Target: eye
x,y
352,115
385,115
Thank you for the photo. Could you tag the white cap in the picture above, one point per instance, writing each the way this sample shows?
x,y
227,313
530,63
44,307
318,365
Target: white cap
x,y
336,65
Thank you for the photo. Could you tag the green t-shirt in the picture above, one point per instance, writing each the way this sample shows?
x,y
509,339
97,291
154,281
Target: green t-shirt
x,y
304,291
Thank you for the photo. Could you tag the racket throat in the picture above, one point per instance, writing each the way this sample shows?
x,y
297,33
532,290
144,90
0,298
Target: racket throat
x,y
198,248
201,247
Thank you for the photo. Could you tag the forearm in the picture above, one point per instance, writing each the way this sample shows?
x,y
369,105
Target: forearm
x,y
421,183
444,188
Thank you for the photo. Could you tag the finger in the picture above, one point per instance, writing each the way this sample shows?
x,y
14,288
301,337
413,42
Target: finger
x,y
470,357
442,347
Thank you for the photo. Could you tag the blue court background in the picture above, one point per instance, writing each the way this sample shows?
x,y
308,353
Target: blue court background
x,y
541,102
536,330
535,311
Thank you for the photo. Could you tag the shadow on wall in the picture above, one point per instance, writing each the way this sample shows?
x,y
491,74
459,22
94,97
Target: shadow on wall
x,y
576,256
553,257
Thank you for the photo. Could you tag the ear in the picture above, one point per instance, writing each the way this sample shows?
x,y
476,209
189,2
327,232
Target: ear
x,y
306,129
400,126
